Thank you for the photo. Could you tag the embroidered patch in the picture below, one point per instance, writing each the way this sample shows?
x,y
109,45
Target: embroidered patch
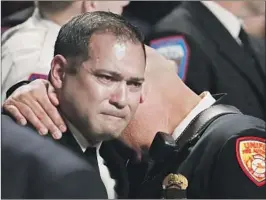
x,y
34,76
176,49
250,152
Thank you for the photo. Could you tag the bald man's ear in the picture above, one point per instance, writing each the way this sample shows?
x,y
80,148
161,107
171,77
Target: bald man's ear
x,y
142,98
58,70
144,92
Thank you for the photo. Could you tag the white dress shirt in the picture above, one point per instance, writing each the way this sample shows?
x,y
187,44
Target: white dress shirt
x,y
206,101
229,21
27,49
108,182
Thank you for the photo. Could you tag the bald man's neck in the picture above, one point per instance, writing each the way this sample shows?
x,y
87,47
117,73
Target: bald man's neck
x,y
180,105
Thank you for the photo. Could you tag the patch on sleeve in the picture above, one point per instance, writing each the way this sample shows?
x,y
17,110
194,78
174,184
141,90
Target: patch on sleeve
x,y
250,152
176,49
34,76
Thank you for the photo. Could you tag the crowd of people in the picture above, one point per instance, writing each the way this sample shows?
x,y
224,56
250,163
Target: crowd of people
x,y
94,108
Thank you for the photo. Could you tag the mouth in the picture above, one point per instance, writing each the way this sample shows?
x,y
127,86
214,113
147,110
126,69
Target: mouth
x,y
114,114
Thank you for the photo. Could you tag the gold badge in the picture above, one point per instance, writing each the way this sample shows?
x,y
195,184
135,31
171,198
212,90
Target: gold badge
x,y
250,152
175,181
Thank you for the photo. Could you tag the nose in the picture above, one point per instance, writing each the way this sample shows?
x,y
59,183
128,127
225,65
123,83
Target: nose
x,y
119,98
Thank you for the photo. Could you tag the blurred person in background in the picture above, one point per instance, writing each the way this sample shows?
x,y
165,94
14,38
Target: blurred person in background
x,y
27,49
213,52
136,13
255,26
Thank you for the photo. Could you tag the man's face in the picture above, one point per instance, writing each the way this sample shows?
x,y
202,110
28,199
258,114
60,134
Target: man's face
x,y
112,6
104,94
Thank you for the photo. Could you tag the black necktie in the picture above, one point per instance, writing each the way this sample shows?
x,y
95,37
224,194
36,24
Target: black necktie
x,y
243,36
91,155
245,39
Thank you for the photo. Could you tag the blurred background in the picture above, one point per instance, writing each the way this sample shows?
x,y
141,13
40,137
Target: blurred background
x,y
142,13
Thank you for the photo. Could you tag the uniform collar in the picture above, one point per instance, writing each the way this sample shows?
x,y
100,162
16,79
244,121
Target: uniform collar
x,y
206,101
229,21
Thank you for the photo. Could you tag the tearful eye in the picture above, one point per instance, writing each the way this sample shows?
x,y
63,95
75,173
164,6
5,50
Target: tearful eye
x,y
109,78
105,78
135,84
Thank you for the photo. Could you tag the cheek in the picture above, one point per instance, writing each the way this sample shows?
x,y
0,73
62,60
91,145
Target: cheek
x,y
68,90
137,135
149,119
92,91
141,130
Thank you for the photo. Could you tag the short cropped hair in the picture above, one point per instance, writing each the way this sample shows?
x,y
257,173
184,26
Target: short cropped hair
x,y
73,40
52,6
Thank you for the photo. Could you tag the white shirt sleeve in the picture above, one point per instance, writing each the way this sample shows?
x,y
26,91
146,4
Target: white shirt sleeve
x,y
6,64
18,62
26,53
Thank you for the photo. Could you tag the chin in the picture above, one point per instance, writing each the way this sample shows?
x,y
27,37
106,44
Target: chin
x,y
115,134
115,130
108,134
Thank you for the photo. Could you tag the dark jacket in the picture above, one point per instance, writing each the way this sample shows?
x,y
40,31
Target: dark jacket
x,y
38,167
227,162
209,58
112,158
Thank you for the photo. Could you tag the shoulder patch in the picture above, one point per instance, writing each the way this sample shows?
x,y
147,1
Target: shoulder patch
x,y
250,152
34,76
174,48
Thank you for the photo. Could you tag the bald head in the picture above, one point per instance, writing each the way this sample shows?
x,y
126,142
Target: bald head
x,y
164,106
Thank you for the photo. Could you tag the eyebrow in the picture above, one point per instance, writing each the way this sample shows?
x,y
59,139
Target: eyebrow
x,y
115,74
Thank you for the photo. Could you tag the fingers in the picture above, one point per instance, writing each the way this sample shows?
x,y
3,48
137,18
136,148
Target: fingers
x,y
48,103
27,111
52,114
52,95
31,103
15,113
42,116
32,118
